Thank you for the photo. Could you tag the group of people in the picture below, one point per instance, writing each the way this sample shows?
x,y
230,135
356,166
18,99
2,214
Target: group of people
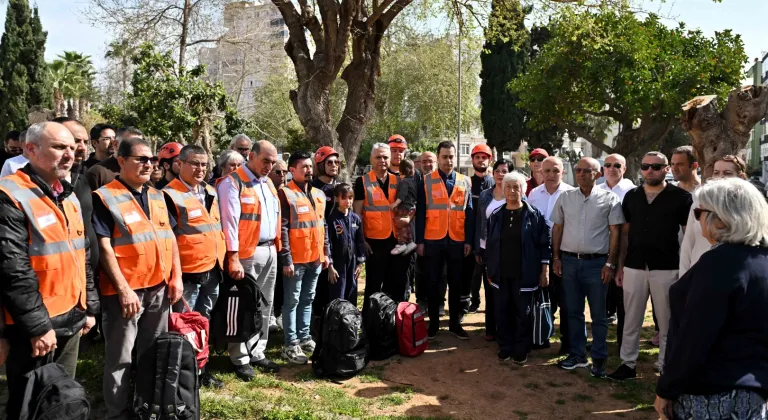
x,y
112,241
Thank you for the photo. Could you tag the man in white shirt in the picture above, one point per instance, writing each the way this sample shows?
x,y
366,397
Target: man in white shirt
x,y
17,162
614,168
544,198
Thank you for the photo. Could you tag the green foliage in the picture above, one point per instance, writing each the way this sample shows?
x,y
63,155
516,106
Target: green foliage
x,y
609,63
22,74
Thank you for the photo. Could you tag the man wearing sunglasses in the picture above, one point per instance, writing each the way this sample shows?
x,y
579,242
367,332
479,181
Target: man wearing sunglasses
x,y
537,157
650,256
17,162
12,147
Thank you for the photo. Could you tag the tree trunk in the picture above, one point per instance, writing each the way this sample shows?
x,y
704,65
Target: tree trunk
x,y
75,109
70,109
725,132
59,104
311,101
184,31
124,70
360,76
82,107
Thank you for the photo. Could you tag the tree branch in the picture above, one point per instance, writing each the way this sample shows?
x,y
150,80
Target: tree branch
x,y
393,11
377,12
203,41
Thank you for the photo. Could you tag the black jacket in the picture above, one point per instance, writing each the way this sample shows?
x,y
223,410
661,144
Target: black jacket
x,y
19,284
83,193
718,334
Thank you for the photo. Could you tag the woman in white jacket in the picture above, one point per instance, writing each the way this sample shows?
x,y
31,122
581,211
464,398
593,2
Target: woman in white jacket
x,y
694,244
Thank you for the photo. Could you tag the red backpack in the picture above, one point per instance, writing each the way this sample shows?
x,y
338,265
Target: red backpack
x,y
194,327
411,329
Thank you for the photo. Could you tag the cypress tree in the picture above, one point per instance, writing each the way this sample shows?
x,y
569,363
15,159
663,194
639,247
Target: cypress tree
x,y
41,89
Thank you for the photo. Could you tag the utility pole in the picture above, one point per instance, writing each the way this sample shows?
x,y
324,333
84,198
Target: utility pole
x,y
458,113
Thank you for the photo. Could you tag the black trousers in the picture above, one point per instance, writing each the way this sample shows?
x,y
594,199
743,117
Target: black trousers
x,y
610,302
277,301
20,362
388,273
452,256
420,282
469,270
514,331
557,300
490,302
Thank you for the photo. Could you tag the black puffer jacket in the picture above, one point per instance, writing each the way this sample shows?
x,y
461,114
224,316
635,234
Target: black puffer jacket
x,y
19,284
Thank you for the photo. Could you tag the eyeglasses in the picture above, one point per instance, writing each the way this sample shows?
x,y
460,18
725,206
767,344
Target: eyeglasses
x,y
243,149
106,138
538,159
279,172
145,159
697,212
196,164
586,171
654,166
612,165
332,162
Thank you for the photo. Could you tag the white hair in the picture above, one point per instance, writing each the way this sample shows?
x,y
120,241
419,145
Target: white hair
x,y
35,132
239,137
379,146
513,177
229,156
740,206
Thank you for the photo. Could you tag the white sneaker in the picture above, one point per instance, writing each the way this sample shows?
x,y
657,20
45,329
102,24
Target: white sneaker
x,y
399,249
410,248
308,345
294,355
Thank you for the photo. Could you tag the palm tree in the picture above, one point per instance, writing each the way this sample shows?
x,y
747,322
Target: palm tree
x,y
80,74
62,77
121,51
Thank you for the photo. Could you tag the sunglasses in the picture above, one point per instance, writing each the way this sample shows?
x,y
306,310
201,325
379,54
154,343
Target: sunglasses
x,y
243,149
279,172
146,159
612,165
697,212
538,159
654,166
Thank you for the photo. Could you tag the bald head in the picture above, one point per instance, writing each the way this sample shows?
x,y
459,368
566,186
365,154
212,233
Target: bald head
x,y
262,157
614,167
587,172
552,169
428,161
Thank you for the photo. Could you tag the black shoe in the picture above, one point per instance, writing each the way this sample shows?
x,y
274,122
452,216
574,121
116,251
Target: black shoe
x,y
459,332
267,366
623,372
474,307
244,372
564,351
504,355
432,332
520,360
573,362
208,381
598,368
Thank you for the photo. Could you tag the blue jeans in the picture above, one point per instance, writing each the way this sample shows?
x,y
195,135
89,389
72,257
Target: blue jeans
x,y
581,279
299,292
201,297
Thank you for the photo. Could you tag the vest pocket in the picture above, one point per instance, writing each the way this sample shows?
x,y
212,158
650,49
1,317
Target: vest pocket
x,y
132,262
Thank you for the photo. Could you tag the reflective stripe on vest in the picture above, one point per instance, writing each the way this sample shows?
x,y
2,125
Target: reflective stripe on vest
x,y
56,247
198,231
306,233
377,215
249,225
143,246
445,215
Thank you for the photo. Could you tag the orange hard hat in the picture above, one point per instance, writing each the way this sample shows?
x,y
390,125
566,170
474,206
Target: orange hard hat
x,y
323,153
397,141
170,150
481,148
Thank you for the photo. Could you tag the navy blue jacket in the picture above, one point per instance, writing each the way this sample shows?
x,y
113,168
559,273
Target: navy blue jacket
x,y
536,246
345,233
718,334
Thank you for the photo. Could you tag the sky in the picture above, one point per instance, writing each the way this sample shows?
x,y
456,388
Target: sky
x,y
68,30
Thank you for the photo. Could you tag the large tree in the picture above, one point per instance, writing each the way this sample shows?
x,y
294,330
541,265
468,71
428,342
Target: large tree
x,y
23,76
611,64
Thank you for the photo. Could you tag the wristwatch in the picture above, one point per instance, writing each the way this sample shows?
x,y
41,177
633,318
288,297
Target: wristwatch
x,y
611,266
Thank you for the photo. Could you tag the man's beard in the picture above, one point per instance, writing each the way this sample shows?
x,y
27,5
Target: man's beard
x,y
479,169
654,182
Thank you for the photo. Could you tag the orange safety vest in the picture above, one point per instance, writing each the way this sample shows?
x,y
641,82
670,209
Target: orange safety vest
x,y
56,244
377,216
198,232
445,215
249,226
143,246
306,233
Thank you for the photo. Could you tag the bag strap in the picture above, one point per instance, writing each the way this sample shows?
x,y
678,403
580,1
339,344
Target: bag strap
x,y
172,378
160,362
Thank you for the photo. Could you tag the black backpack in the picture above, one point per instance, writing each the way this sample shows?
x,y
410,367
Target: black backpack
x,y
167,385
380,326
341,345
237,314
50,394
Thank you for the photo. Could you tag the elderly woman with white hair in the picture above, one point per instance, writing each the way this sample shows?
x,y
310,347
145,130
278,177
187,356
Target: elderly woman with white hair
x,y
716,365
517,252
228,162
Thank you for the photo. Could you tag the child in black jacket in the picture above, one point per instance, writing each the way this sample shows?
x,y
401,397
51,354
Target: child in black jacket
x,y
345,233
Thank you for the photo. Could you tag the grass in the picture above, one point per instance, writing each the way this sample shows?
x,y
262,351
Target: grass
x,y
639,393
522,415
560,402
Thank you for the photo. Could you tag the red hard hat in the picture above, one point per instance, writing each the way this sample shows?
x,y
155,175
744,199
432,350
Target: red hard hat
x,y
169,150
323,153
397,141
539,152
481,148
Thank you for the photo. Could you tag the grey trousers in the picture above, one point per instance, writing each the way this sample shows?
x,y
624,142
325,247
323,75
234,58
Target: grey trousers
x,y
263,267
120,336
